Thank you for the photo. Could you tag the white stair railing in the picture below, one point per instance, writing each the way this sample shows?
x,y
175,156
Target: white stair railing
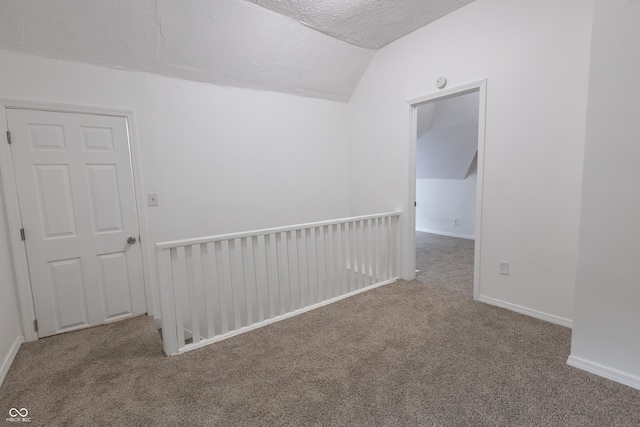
x,y
213,288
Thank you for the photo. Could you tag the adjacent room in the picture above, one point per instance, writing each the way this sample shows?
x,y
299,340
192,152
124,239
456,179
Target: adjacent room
x,y
212,212
446,182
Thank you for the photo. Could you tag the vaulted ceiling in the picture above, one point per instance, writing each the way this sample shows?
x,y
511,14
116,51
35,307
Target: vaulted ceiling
x,y
447,141
365,23
316,48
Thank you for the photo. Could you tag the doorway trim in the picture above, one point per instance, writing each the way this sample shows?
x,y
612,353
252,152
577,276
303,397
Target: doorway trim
x,y
12,208
410,242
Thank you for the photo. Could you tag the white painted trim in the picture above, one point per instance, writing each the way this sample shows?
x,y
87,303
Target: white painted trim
x,y
409,244
17,246
8,360
604,371
482,124
147,249
452,92
157,321
446,233
410,266
527,311
266,322
14,220
275,230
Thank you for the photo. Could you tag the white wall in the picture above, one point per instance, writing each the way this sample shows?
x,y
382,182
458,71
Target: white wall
x,y
447,137
10,326
446,166
607,297
446,153
221,159
440,201
225,42
534,54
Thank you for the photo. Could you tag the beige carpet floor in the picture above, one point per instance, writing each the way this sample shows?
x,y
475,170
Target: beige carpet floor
x,y
445,262
402,354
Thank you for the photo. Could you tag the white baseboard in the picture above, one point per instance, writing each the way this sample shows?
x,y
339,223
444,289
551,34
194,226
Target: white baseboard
x,y
527,311
157,321
8,360
604,371
446,233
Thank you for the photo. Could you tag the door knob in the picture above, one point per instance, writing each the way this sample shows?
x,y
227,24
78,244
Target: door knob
x,y
131,240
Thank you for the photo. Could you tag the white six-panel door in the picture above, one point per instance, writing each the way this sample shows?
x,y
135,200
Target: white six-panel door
x,y
76,196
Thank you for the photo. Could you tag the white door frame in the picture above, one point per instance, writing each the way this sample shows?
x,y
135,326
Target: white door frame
x,y
410,242
12,207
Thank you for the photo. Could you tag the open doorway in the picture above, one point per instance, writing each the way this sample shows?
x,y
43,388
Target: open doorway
x,y
448,138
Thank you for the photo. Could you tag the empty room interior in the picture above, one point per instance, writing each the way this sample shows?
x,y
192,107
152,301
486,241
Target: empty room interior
x,y
251,212
446,182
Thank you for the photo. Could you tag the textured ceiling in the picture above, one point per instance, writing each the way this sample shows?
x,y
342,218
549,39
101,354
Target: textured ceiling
x,y
225,42
365,23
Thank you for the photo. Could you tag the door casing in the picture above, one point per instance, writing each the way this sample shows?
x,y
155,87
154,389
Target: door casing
x,y
409,240
14,221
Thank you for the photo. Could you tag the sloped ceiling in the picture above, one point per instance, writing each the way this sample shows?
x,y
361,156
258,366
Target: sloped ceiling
x,y
366,23
321,51
447,146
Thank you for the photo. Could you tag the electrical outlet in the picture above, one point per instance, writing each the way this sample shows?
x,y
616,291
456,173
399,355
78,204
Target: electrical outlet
x,y
152,199
504,268
456,222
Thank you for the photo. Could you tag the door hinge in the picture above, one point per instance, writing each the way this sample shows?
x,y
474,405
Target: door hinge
x,y
415,204
35,324
22,236
8,137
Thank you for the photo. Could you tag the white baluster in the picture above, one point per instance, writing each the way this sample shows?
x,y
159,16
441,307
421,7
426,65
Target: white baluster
x,y
220,286
175,274
193,298
249,278
209,295
261,275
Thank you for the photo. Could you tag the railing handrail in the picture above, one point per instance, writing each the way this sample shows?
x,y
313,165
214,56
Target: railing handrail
x,y
229,236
